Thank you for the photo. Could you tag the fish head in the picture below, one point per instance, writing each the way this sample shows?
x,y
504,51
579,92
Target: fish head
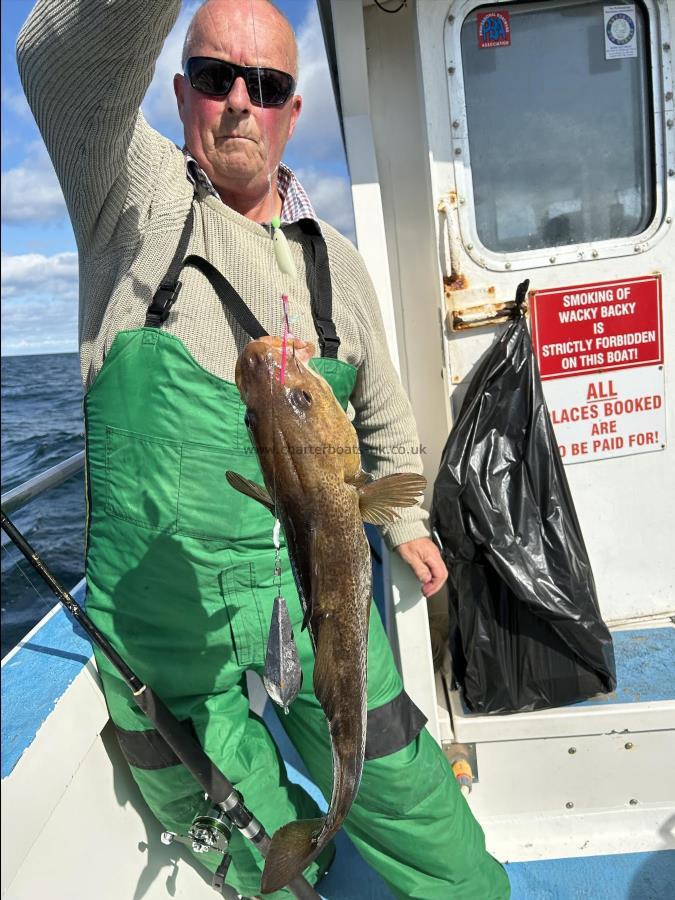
x,y
292,413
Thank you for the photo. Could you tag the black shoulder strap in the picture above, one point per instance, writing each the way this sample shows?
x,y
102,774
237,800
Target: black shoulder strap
x,y
321,297
228,296
166,293
322,300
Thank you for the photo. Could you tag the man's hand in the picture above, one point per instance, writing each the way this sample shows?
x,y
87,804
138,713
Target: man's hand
x,y
424,558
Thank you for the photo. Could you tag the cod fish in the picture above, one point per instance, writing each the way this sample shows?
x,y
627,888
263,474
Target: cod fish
x,y
309,456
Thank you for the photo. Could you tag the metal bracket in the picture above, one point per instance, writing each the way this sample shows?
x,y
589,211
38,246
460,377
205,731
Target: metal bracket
x,y
476,308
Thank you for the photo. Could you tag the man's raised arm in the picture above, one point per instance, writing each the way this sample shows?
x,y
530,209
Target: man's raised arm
x,y
85,66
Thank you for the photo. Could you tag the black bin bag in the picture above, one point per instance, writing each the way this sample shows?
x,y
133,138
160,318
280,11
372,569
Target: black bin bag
x,y
525,627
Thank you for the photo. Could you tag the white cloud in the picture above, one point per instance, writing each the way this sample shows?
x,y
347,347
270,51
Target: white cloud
x,y
29,275
31,192
331,198
15,102
39,303
53,332
50,328
317,135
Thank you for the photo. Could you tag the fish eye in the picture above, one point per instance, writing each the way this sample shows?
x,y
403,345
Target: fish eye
x,y
302,398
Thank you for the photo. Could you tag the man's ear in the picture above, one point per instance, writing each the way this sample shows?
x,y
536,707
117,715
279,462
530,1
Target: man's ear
x,y
296,106
179,91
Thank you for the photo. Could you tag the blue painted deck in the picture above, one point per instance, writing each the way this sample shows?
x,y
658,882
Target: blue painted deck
x,y
36,678
645,667
625,876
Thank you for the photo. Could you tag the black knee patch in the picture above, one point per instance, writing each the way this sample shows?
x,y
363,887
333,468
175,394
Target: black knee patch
x,y
393,726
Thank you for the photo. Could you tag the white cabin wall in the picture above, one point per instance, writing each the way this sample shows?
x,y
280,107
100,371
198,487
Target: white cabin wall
x,y
360,146
624,504
394,259
398,123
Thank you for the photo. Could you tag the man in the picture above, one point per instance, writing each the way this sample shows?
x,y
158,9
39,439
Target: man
x,y
180,566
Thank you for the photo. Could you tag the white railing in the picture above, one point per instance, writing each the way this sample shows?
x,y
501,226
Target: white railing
x,y
50,478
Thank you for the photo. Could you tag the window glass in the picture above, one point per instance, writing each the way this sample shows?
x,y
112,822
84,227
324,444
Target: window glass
x,y
559,136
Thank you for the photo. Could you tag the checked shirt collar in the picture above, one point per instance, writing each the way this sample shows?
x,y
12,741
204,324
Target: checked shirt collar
x,y
296,204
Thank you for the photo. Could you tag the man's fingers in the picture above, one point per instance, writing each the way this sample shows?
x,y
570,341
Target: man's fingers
x,y
421,569
435,584
437,573
424,558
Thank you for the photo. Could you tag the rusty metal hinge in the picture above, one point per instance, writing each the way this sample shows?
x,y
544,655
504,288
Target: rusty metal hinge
x,y
475,307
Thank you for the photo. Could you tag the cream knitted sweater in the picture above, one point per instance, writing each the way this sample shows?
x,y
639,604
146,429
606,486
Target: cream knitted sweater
x,y
85,67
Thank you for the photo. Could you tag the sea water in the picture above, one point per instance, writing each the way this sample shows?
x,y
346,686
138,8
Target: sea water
x,y
42,425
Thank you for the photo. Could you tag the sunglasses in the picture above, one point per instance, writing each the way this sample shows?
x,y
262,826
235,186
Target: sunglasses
x,y
215,77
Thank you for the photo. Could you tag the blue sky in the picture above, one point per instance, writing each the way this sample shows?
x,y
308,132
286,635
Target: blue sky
x,y
39,260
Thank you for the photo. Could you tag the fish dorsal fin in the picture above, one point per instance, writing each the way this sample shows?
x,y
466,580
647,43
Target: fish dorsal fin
x,y
250,489
379,499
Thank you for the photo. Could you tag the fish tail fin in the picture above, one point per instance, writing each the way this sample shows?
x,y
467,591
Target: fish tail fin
x,y
293,848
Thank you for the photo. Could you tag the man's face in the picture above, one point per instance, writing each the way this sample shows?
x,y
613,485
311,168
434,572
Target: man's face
x,y
235,142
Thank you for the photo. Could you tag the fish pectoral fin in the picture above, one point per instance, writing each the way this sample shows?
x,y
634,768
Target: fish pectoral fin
x,y
378,500
360,479
250,489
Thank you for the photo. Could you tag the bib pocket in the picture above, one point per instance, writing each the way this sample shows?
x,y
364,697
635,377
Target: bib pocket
x,y
208,508
175,487
142,475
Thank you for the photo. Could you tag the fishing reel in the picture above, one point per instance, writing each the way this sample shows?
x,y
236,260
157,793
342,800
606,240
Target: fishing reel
x,y
211,831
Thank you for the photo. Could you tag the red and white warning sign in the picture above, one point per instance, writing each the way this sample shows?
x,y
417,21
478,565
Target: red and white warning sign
x,y
600,353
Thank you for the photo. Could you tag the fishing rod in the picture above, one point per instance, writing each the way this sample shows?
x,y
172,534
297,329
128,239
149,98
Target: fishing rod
x,y
209,832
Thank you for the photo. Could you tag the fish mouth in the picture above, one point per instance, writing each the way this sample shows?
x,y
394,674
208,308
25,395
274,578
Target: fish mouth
x,y
267,354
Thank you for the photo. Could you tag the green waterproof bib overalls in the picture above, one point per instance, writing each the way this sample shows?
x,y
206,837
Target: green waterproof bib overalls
x,y
180,579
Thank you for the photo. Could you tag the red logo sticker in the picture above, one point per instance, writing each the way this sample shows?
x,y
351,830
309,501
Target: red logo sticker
x,y
494,29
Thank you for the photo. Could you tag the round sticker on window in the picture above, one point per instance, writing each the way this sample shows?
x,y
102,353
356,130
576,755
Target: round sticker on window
x,y
620,29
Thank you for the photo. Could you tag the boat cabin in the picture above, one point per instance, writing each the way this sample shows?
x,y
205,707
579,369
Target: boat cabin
x,y
486,144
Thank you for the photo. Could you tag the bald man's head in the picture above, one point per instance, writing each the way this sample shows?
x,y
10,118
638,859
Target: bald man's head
x,y
214,13
236,139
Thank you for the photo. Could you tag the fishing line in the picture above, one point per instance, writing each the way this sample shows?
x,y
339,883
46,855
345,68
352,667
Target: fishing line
x,y
282,255
274,277
262,106
386,9
278,650
18,566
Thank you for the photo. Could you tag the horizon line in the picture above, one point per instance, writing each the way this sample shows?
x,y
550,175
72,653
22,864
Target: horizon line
x,y
37,353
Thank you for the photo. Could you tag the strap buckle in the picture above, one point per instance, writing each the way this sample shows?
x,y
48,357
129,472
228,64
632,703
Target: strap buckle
x,y
164,298
328,338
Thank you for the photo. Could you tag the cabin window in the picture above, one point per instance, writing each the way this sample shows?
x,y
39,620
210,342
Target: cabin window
x,y
560,138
